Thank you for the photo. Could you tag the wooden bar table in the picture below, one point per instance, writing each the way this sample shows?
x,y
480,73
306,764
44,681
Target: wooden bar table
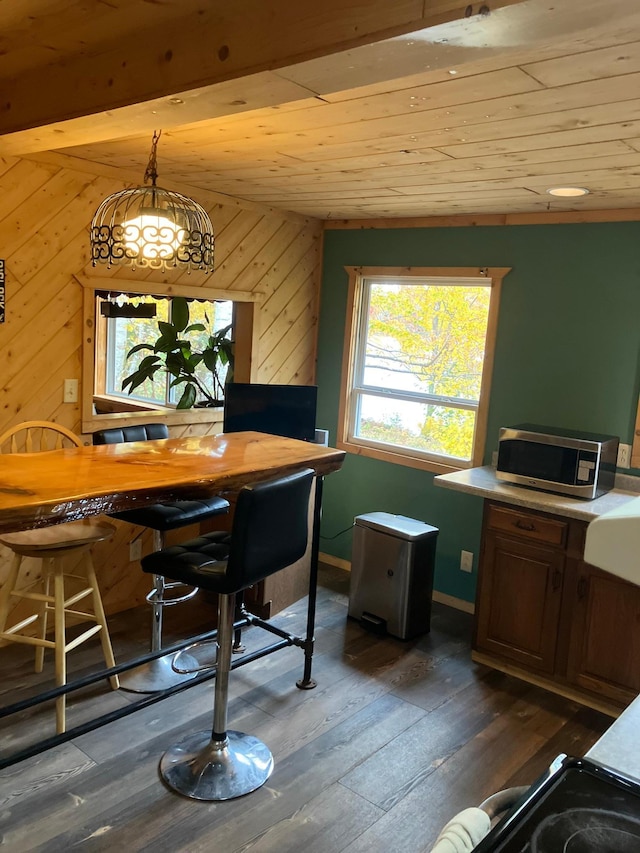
x,y
40,489
52,487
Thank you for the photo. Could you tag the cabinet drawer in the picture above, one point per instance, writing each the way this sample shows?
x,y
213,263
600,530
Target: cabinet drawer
x,y
528,526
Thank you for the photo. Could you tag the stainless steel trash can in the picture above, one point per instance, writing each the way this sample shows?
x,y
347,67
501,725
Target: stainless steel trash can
x,y
392,563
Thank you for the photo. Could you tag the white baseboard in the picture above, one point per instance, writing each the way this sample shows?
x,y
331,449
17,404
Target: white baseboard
x,y
440,597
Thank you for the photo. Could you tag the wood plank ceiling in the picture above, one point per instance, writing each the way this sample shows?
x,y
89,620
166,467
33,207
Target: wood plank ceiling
x,y
476,116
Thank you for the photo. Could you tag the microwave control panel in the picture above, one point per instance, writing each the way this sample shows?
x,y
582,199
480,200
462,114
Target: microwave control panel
x,y
585,472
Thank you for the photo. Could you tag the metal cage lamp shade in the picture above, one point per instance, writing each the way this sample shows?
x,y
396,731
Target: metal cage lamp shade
x,y
153,228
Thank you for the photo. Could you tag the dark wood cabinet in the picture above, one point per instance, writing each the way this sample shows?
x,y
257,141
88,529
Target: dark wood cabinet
x,y
604,649
546,615
519,606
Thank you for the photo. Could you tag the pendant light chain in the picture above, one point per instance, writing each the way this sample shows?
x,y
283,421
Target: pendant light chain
x,y
151,173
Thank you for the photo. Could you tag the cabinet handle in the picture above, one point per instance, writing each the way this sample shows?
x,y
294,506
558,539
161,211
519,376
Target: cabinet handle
x,y
556,580
582,588
524,526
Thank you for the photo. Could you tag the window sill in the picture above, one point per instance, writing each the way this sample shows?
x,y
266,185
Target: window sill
x,y
105,404
400,459
156,414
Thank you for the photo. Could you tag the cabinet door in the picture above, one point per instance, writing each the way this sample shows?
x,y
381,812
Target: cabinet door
x,y
519,601
604,650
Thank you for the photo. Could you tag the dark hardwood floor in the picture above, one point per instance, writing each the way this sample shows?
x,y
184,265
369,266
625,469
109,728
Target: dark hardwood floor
x,y
395,740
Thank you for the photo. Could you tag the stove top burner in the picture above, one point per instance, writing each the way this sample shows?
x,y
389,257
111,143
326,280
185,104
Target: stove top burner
x,y
586,831
580,807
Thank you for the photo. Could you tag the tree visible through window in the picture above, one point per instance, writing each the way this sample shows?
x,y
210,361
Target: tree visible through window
x,y
418,369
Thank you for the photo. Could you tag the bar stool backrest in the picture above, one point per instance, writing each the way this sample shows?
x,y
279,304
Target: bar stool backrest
x,y
270,529
36,436
138,432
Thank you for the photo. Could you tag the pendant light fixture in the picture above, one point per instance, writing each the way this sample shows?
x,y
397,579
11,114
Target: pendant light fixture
x,y
151,227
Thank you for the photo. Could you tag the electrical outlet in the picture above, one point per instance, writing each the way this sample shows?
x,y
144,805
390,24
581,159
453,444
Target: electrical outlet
x,y
70,391
135,550
624,456
466,561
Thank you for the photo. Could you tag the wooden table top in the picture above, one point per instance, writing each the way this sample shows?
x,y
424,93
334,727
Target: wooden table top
x,y
38,489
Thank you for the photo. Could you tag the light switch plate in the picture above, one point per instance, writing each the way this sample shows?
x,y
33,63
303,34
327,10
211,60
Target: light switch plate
x,y
70,391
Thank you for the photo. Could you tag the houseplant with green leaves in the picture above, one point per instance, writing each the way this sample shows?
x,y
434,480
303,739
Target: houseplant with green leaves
x,y
201,372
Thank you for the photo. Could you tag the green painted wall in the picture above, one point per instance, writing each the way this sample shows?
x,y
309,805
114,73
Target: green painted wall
x,y
567,355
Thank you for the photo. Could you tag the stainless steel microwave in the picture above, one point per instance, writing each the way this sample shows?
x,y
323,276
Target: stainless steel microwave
x,y
580,464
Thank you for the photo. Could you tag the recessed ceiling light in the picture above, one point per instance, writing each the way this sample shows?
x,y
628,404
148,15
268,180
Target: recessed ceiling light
x,y
453,71
568,192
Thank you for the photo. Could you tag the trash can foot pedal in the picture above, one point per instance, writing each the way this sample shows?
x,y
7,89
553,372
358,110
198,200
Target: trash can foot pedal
x,y
373,623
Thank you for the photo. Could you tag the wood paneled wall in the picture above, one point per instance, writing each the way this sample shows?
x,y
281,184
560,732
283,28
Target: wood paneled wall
x,y
45,212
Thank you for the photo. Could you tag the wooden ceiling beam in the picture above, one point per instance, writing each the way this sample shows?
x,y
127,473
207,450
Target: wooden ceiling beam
x,y
120,82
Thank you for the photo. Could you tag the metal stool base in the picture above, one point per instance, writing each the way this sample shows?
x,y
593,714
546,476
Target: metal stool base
x,y
204,769
153,676
196,658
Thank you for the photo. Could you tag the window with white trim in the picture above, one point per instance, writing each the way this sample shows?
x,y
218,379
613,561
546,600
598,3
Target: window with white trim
x,y
417,364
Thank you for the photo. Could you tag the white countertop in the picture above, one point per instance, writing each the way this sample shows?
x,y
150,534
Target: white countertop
x,y
483,482
619,746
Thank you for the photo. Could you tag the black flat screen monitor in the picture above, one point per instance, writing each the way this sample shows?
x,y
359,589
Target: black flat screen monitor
x,y
287,410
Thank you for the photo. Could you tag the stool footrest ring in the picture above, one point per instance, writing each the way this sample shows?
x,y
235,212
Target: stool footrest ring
x,y
155,598
191,664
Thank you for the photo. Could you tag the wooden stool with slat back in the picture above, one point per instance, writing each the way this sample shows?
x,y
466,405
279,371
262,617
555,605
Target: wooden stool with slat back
x,y
56,546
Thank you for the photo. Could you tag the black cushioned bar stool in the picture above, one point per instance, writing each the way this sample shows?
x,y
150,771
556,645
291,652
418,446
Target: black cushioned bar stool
x,y
269,533
158,674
